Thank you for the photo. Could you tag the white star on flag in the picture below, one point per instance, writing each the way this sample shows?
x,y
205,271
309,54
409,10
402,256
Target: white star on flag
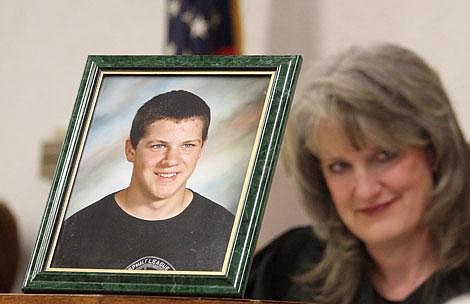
x,y
199,28
174,7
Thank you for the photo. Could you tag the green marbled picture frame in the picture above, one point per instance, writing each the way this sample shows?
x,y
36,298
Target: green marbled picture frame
x,y
274,76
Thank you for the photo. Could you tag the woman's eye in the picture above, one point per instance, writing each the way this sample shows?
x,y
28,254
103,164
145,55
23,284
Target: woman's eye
x,y
385,155
338,167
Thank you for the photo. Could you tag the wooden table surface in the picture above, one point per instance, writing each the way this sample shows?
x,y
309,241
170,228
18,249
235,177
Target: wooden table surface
x,y
12,298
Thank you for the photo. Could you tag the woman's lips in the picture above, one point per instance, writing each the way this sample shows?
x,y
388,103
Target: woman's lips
x,y
375,209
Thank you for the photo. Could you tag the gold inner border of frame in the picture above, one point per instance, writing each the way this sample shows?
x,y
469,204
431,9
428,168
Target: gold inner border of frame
x,y
81,144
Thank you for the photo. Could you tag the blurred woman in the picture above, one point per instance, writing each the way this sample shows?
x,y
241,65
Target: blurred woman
x,y
9,249
383,169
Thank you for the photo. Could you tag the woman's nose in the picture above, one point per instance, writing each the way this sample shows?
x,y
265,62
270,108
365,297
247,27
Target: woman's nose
x,y
367,185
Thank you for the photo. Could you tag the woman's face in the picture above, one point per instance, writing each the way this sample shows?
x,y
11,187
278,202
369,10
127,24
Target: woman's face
x,y
381,196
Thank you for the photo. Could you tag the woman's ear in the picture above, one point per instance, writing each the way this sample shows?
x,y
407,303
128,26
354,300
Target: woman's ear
x,y
432,160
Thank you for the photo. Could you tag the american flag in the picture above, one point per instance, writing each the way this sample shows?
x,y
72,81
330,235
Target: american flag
x,y
203,27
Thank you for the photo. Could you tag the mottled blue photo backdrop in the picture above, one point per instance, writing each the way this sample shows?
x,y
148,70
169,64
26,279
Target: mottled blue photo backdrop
x,y
236,103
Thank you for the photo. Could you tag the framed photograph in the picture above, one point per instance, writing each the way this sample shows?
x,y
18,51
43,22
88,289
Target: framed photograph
x,y
163,176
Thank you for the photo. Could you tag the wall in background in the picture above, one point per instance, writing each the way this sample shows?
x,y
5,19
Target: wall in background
x,y
43,49
319,28
44,44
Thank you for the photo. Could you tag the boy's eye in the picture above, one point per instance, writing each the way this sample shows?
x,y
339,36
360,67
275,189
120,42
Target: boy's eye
x,y
189,145
158,146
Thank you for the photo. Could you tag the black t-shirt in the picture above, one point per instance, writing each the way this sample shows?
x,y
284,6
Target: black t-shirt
x,y
276,270
103,236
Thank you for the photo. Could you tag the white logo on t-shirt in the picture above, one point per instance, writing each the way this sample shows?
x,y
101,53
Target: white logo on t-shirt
x,y
150,263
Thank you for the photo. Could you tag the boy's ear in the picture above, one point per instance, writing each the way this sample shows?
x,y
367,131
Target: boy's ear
x,y
203,148
129,150
204,144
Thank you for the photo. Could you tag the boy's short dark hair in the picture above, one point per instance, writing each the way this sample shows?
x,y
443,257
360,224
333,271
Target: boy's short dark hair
x,y
173,105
